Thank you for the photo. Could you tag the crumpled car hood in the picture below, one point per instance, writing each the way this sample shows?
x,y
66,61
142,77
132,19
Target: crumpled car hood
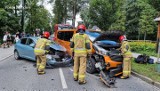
x,y
110,35
57,47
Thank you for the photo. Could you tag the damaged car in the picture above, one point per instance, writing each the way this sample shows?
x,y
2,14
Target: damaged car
x,y
24,48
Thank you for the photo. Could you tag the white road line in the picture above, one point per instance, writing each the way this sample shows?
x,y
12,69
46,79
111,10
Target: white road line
x,y
64,84
71,69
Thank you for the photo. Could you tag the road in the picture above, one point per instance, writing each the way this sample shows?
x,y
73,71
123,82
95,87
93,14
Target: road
x,y
21,76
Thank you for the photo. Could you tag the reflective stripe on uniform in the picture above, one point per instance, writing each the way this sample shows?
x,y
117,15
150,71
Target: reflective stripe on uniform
x,y
126,71
81,76
41,67
80,51
37,50
75,74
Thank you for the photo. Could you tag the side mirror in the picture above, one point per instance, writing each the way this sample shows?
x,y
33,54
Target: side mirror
x,y
32,45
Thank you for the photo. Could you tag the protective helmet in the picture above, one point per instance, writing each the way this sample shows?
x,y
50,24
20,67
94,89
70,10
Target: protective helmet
x,y
122,38
81,29
46,34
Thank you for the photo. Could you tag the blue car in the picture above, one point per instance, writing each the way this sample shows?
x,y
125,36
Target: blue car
x,y
24,48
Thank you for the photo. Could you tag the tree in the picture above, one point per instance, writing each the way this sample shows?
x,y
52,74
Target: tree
x,y
85,17
139,17
104,12
36,16
155,4
66,9
146,23
8,16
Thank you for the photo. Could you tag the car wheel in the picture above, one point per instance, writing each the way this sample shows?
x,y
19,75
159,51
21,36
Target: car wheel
x,y
16,55
91,66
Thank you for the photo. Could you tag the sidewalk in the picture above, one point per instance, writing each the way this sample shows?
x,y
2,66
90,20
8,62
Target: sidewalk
x,y
6,52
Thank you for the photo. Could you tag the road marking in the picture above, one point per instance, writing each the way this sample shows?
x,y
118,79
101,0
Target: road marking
x,y
64,84
6,57
71,69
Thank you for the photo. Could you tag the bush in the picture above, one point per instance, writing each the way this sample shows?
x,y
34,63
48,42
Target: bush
x,y
144,47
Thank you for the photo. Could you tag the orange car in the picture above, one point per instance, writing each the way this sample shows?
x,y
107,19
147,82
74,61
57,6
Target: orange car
x,y
103,47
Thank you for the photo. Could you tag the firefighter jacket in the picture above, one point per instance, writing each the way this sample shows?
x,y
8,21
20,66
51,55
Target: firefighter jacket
x,y
41,45
80,42
125,49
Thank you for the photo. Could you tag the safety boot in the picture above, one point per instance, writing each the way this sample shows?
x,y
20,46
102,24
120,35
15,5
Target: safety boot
x,y
124,77
75,79
82,82
41,72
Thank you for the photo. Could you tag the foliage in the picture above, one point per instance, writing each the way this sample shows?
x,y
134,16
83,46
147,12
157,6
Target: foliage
x,y
8,18
66,9
155,4
85,16
149,70
104,12
148,48
139,18
36,16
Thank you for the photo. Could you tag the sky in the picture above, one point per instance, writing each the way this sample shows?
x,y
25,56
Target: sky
x,y
48,6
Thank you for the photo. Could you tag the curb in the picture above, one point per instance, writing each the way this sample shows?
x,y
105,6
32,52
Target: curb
x,y
6,57
146,79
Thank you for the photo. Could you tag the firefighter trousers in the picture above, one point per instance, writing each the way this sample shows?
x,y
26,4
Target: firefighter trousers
x,y
126,66
41,63
79,68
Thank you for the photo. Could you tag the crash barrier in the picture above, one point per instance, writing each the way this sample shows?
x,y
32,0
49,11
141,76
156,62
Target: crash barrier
x,y
144,59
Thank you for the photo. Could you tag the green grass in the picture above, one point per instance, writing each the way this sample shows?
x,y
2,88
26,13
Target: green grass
x,y
149,70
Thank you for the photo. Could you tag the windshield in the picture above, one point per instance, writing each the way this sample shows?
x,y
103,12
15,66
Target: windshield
x,y
92,35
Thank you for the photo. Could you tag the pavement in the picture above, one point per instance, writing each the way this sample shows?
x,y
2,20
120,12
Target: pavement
x,y
7,52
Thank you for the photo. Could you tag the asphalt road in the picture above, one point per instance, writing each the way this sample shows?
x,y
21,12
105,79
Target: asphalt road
x,y
21,76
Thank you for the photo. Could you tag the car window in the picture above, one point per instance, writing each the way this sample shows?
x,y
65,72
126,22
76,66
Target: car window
x,y
30,41
23,41
66,36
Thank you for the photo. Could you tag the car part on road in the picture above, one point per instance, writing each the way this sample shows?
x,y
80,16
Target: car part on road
x,y
105,77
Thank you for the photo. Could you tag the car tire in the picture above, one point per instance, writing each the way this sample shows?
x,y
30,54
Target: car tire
x,y
91,66
16,55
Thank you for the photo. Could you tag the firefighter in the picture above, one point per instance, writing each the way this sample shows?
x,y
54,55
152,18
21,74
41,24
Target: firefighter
x,y
80,47
127,55
40,50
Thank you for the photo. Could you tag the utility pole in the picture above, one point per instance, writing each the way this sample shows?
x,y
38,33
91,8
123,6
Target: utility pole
x,y
158,43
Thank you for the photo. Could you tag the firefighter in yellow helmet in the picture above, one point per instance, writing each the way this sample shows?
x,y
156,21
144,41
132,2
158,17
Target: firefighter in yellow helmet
x,y
127,55
80,46
40,50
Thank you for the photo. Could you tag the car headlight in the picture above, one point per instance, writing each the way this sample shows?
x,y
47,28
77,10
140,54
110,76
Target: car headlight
x,y
49,57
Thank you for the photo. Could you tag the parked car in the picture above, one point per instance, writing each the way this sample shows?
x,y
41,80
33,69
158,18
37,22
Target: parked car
x,y
24,48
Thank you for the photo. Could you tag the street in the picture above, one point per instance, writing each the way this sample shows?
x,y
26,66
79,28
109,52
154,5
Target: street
x,y
21,76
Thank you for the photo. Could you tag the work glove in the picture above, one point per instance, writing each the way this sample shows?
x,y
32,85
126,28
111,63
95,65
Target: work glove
x,y
46,52
89,55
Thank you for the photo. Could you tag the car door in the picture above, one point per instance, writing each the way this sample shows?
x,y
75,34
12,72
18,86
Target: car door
x,y
21,47
29,53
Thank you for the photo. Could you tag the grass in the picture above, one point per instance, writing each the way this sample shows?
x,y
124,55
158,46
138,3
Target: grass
x,y
147,53
149,70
